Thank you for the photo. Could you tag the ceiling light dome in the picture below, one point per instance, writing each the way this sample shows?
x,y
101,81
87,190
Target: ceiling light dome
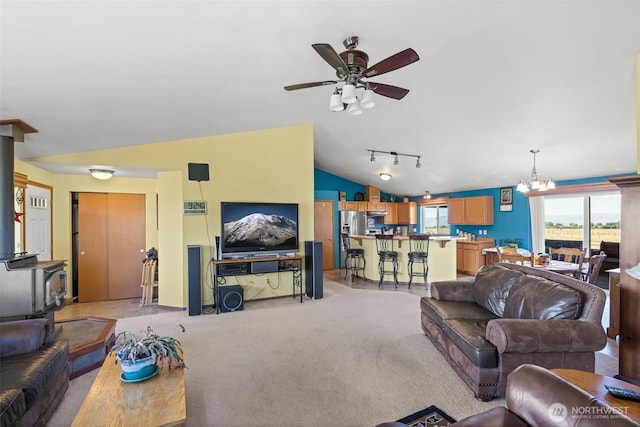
x,y
102,174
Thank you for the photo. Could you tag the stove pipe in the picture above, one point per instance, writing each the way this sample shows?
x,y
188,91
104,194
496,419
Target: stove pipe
x,y
11,131
7,227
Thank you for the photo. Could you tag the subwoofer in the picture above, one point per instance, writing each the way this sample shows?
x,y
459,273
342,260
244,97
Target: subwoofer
x,y
230,298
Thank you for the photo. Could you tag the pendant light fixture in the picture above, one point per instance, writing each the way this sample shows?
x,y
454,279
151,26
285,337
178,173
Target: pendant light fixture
x,y
534,182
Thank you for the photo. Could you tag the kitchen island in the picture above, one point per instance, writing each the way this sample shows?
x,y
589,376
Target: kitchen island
x,y
442,258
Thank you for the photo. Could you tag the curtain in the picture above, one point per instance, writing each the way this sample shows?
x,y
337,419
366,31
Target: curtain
x,y
536,207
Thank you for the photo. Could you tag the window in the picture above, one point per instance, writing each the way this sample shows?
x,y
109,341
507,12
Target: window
x,y
434,219
581,221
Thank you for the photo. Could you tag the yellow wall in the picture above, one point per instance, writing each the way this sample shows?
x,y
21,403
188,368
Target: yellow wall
x,y
264,166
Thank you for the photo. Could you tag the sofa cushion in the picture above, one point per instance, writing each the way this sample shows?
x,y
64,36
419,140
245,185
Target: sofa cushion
x,y
469,336
492,286
34,372
439,311
534,297
12,406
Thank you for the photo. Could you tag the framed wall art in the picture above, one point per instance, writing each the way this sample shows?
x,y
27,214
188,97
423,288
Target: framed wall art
x,y
506,199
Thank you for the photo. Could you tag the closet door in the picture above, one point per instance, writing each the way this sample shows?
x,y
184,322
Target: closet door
x,y
93,261
111,245
126,244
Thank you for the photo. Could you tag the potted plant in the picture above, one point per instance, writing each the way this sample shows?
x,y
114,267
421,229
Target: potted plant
x,y
140,356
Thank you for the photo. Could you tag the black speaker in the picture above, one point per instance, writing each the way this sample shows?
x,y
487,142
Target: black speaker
x,y
218,253
198,172
194,300
313,268
231,298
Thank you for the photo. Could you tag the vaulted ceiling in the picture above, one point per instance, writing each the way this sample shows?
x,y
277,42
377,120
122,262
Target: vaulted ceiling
x,y
494,80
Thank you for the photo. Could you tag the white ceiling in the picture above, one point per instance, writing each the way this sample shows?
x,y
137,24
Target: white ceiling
x,y
495,79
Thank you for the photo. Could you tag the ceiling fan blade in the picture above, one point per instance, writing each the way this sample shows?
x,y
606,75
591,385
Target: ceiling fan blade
x,y
331,56
313,84
399,60
388,90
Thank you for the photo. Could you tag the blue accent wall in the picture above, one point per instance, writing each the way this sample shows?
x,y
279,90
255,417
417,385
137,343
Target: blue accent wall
x,y
515,224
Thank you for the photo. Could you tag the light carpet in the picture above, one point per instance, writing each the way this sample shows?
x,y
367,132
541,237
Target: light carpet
x,y
353,358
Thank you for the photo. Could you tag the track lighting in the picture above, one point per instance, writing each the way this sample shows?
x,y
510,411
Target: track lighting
x,y
427,195
396,160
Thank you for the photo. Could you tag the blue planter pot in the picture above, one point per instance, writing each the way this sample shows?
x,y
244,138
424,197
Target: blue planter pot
x,y
139,369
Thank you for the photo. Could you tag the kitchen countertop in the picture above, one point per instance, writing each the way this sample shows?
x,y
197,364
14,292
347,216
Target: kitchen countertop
x,y
396,237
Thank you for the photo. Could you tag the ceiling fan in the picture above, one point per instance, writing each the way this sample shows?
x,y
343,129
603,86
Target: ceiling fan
x,y
352,69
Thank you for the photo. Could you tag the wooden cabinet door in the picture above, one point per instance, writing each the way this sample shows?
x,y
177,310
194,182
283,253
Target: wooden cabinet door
x,y
392,214
407,213
471,264
459,259
323,231
455,209
126,244
372,193
93,259
362,206
479,210
350,206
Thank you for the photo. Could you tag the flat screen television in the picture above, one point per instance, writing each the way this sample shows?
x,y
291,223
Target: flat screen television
x,y
258,228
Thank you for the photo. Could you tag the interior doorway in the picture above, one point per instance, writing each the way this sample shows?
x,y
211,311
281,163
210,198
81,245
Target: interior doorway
x,y
108,245
323,231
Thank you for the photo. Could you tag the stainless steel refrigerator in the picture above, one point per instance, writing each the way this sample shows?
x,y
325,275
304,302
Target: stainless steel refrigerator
x,y
355,224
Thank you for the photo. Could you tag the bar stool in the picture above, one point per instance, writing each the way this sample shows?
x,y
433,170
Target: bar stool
x,y
418,253
352,258
384,246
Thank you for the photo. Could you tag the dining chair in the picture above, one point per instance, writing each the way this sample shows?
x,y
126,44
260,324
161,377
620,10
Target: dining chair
x,y
592,267
516,258
572,255
507,249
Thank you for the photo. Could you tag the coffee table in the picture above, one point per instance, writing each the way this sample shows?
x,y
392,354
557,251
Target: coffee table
x,y
158,401
594,385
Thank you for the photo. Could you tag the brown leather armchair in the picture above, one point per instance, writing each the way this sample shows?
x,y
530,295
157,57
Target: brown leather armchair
x,y
538,397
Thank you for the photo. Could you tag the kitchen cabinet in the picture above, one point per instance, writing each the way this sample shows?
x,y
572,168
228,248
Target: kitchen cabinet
x,y
371,193
455,209
407,213
352,206
392,214
469,256
471,210
376,206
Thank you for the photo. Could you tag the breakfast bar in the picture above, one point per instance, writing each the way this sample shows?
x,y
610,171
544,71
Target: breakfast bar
x,y
442,257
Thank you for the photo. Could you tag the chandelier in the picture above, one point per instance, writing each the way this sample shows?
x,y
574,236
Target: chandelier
x,y
534,182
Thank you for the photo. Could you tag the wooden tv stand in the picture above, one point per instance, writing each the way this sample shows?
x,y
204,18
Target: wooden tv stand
x,y
256,265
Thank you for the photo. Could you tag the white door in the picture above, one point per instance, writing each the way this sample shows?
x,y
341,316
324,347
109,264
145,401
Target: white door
x,y
38,221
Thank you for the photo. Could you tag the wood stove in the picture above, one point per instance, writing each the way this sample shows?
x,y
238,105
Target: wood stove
x,y
30,288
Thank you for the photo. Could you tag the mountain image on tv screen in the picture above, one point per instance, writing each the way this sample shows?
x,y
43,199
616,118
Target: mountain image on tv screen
x,y
260,230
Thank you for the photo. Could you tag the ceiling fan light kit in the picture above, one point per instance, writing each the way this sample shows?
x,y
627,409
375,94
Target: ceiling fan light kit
x,y
534,182
353,72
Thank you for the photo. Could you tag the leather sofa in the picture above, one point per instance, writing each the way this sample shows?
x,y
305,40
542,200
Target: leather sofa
x,y
538,397
509,315
34,372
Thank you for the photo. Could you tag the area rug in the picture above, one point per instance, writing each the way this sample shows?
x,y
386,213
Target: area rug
x,y
431,416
